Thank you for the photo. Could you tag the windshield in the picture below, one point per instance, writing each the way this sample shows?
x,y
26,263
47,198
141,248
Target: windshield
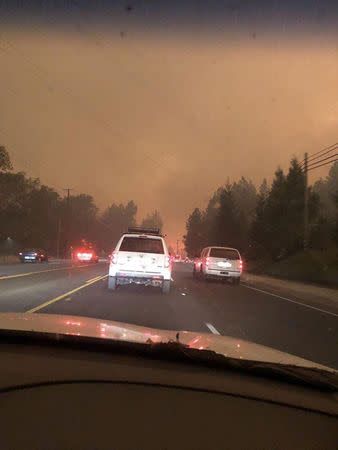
x,y
177,162
141,245
225,253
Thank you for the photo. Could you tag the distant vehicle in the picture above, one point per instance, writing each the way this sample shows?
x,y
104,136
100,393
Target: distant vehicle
x,y
33,255
86,255
140,257
219,262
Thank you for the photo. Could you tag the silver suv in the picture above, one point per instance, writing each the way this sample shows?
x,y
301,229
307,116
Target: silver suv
x,y
219,262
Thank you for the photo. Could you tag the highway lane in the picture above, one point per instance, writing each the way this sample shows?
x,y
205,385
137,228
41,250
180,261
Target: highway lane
x,y
19,269
192,305
22,293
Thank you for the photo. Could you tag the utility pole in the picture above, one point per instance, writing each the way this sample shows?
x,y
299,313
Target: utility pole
x,y
58,240
306,203
67,223
68,194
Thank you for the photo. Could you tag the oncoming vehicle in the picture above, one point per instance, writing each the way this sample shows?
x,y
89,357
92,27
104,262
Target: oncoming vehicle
x,y
33,255
219,262
140,257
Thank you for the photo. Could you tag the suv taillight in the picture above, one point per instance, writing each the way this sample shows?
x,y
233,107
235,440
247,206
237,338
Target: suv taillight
x,y
241,265
113,258
207,261
167,261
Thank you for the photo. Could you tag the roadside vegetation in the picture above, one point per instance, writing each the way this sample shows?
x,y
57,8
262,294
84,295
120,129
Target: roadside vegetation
x,y
267,225
33,214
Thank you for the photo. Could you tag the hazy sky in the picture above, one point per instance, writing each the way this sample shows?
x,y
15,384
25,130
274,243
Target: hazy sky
x,y
161,102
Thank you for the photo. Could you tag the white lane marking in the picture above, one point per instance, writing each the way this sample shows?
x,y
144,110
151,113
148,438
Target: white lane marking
x,y
289,300
212,328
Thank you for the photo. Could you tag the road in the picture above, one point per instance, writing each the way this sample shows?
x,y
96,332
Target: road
x,y
272,318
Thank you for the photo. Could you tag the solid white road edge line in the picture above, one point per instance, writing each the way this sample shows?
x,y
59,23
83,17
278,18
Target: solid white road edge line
x,y
212,328
289,300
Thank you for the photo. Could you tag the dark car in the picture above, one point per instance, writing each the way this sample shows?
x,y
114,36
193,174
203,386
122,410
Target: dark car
x,y
33,255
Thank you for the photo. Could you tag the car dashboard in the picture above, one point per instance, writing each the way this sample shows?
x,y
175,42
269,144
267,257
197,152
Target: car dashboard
x,y
60,398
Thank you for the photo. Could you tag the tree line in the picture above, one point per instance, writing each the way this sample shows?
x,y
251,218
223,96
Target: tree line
x,y
35,215
267,222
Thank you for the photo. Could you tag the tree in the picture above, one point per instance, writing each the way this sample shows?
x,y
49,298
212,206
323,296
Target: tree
x,y
153,221
324,232
278,227
28,211
227,225
79,217
244,196
326,190
114,221
258,229
5,161
194,240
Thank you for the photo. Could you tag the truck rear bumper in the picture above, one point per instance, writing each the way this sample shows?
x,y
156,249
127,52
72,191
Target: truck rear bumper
x,y
145,279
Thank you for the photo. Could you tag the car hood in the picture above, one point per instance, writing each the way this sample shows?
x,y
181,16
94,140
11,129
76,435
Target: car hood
x,y
106,329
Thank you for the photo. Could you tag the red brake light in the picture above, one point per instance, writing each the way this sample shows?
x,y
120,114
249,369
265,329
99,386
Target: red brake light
x,y
79,255
207,261
167,262
20,253
113,258
241,265
35,254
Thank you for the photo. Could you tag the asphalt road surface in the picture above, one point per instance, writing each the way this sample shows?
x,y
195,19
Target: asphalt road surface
x,y
273,318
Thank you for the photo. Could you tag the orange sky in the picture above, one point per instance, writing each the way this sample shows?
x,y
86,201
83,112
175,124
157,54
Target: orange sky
x,y
162,120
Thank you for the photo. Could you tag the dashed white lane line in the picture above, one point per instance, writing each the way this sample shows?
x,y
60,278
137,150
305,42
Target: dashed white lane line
x,y
212,328
289,300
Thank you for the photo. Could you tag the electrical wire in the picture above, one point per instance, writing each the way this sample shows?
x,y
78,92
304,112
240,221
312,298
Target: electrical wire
x,y
321,160
325,164
313,157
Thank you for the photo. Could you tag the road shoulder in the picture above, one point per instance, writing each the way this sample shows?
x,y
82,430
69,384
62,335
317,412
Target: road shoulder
x,y
312,295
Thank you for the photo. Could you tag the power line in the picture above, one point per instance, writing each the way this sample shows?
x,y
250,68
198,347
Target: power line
x,y
325,164
321,160
329,149
312,160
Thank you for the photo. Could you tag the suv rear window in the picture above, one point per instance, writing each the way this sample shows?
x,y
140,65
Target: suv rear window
x,y
141,245
225,253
